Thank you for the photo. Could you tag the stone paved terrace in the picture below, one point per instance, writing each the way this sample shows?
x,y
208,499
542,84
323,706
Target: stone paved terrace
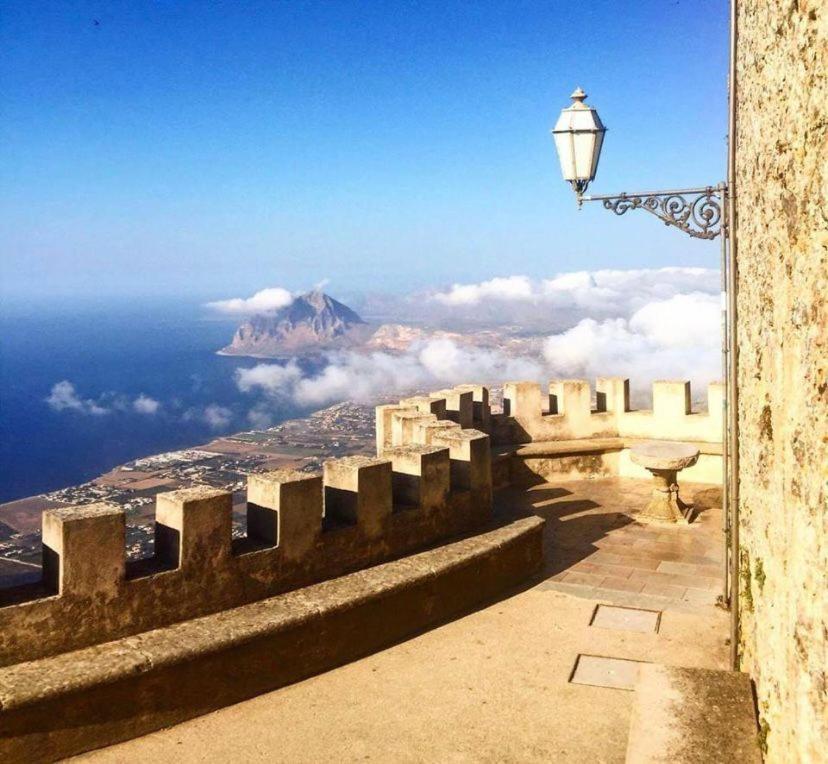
x,y
595,549
496,684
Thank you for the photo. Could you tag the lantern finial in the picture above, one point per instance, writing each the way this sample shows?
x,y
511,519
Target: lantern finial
x,y
578,95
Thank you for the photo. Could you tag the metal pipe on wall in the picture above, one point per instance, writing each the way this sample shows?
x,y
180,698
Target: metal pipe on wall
x,y
725,597
732,314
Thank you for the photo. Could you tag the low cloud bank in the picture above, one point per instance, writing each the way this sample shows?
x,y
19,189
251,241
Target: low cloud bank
x,y
265,301
216,417
641,324
581,294
143,404
64,397
675,337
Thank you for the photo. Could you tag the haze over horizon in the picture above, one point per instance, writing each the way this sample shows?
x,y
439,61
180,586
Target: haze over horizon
x,y
213,150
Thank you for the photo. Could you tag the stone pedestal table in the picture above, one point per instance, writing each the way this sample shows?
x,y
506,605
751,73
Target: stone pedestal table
x,y
664,460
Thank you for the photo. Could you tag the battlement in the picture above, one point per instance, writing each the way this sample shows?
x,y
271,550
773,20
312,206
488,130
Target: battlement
x,y
583,438
569,413
301,529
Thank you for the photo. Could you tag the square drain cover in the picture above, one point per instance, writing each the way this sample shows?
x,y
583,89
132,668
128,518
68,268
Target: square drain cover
x,y
594,670
625,618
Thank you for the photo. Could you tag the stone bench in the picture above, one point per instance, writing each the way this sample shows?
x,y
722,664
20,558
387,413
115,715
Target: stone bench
x,y
576,459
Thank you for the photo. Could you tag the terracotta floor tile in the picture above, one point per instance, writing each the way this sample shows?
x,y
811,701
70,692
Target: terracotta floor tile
x,y
622,584
699,597
584,579
576,590
618,571
679,568
664,590
597,548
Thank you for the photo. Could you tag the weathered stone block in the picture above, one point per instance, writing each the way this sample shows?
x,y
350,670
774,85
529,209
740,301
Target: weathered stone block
x,y
287,509
715,402
671,399
571,397
193,527
481,410
84,550
358,490
612,394
522,399
402,426
421,476
424,431
383,424
470,460
459,405
427,404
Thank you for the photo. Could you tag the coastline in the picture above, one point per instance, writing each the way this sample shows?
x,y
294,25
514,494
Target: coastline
x,y
300,443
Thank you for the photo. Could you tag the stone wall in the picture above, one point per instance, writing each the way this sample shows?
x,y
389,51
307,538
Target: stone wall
x,y
301,528
781,187
572,434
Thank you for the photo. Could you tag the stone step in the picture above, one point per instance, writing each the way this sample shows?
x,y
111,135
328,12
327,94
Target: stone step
x,y
692,715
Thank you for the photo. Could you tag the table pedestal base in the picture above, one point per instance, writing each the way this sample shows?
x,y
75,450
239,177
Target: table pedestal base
x,y
665,505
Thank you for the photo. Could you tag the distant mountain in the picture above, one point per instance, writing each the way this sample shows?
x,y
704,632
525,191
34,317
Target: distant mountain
x,y
313,321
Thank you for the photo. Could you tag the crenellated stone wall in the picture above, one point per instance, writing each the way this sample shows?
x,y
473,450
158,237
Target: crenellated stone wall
x,y
565,435
301,528
781,187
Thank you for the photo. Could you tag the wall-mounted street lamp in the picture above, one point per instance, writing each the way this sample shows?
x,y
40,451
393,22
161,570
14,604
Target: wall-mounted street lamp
x,y
579,137
703,213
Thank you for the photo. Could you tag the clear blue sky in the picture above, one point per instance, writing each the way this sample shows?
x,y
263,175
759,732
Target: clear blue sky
x,y
209,149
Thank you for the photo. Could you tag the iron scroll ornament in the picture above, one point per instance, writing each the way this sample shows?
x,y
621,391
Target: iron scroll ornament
x,y
697,213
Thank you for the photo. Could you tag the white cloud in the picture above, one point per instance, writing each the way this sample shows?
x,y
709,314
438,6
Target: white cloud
x,y
684,320
674,338
218,417
367,378
143,404
641,324
509,288
569,297
215,416
259,417
64,397
265,301
270,377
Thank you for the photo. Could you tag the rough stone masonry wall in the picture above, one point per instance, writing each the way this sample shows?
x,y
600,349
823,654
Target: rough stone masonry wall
x,y
782,207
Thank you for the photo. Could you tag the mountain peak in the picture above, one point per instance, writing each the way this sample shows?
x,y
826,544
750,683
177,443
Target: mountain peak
x,y
312,321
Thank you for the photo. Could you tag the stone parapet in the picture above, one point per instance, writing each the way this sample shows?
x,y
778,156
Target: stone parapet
x,y
76,701
301,528
568,415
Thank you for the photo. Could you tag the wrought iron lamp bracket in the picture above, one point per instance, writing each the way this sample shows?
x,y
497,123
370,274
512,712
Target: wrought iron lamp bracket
x,y
696,211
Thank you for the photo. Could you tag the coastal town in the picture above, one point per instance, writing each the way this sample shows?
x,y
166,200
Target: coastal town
x,y
300,444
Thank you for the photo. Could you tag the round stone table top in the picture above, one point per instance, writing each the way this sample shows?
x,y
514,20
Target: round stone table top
x,y
664,455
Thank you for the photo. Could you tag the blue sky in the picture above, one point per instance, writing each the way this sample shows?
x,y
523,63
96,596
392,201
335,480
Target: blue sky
x,y
210,149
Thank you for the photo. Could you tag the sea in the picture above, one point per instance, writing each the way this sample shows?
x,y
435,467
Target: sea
x,y
112,354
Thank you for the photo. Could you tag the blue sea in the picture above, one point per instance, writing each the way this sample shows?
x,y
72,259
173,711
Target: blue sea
x,y
110,354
